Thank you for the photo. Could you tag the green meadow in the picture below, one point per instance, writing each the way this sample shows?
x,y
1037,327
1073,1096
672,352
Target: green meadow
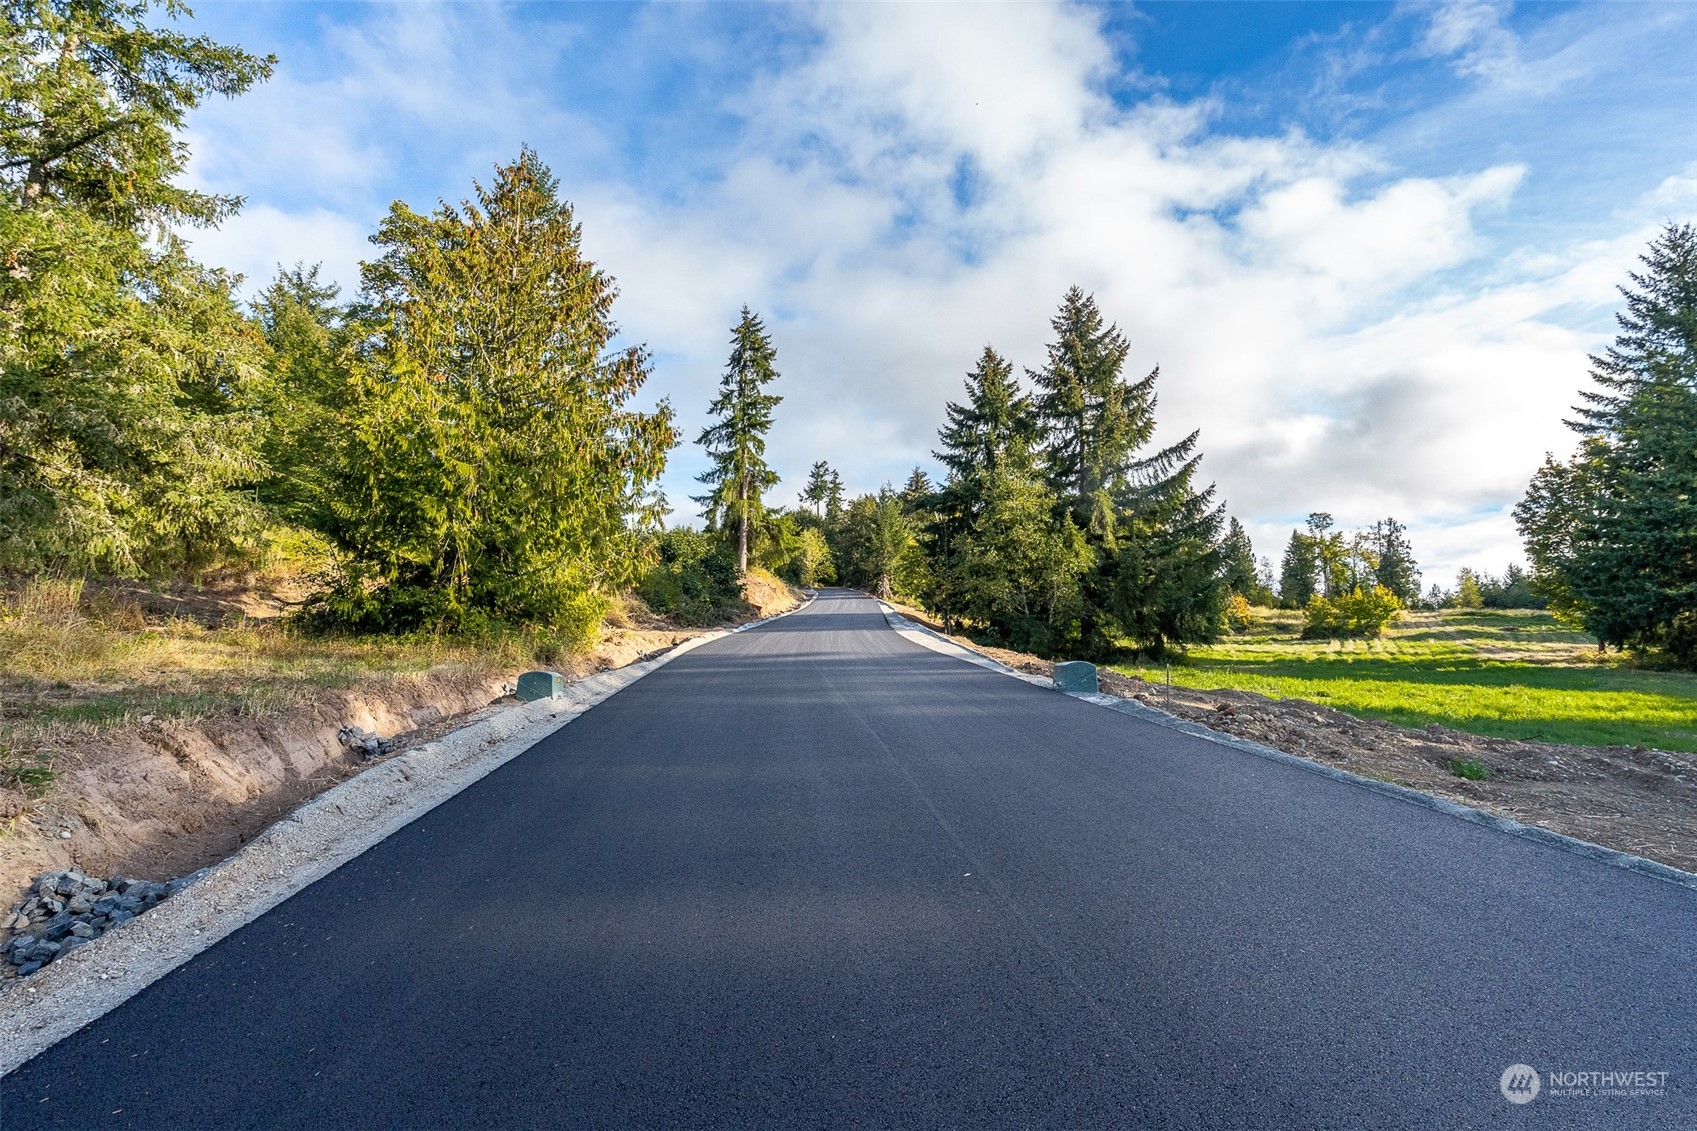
x,y
1507,674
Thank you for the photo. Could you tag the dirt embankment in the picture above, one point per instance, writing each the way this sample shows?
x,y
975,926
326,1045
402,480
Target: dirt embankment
x,y
159,798
1626,798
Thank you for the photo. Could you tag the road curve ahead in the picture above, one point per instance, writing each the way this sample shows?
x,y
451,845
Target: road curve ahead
x,y
813,875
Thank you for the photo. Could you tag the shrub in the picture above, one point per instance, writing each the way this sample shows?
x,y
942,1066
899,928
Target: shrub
x,y
1470,768
1467,592
1238,613
1358,613
812,563
695,580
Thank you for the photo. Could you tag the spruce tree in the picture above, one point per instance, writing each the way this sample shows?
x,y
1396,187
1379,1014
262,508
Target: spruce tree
x,y
987,441
305,323
1299,571
1238,554
1096,425
995,428
1093,420
737,443
1169,584
916,493
1613,534
834,499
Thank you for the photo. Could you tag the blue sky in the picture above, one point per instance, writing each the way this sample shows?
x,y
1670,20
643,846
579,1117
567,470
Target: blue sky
x,y
1369,245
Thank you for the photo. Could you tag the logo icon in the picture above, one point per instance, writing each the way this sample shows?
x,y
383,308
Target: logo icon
x,y
1520,1083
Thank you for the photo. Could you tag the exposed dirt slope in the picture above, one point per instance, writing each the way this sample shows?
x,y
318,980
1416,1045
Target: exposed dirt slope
x,y
1626,798
160,798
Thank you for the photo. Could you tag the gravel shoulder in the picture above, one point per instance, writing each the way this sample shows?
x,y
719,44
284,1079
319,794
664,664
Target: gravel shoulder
x,y
1630,799
319,836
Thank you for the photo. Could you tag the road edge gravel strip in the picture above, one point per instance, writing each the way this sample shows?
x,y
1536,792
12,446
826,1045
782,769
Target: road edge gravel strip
x,y
296,852
929,638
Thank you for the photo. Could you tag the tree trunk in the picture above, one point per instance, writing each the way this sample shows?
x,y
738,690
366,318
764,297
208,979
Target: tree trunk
x,y
742,527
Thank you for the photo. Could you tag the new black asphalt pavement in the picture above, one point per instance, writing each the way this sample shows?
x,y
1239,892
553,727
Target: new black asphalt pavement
x,y
814,875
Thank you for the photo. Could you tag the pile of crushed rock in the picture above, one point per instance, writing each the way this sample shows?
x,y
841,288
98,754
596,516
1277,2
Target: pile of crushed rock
x,y
66,910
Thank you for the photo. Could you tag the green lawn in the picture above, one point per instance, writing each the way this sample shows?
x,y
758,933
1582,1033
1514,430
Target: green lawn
x,y
1511,674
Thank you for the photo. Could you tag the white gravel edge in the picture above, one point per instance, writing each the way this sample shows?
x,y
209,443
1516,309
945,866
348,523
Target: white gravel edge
x,y
304,847
1654,869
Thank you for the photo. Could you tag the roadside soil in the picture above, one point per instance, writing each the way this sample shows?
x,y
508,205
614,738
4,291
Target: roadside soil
x,y
1627,798
160,798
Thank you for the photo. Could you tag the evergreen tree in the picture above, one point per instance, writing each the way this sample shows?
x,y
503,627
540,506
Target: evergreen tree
x,y
987,440
1299,571
1395,568
1093,420
1016,570
1512,591
1238,554
130,384
819,487
493,469
875,536
1331,553
1169,584
1613,534
737,443
916,493
305,325
91,97
1096,424
834,504
995,428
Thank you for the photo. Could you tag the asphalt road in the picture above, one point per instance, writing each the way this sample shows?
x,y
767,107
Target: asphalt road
x,y
813,875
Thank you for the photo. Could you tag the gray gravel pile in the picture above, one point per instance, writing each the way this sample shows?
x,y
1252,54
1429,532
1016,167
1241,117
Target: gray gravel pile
x,y
367,743
66,910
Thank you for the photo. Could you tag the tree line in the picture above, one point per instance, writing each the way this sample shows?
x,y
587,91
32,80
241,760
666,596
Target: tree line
x,y
462,438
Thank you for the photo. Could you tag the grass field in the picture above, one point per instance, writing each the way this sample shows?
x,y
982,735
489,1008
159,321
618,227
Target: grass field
x,y
67,662
1509,674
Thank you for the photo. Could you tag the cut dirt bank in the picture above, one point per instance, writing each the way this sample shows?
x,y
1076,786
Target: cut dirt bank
x,y
159,798
1630,799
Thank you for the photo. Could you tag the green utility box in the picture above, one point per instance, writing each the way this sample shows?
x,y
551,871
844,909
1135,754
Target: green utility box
x,y
541,685
1075,675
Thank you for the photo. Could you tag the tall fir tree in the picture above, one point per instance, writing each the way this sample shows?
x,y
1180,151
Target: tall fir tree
x,y
987,442
737,442
1299,571
306,325
1613,534
835,497
1169,585
916,493
1093,420
818,489
1238,553
493,468
995,428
